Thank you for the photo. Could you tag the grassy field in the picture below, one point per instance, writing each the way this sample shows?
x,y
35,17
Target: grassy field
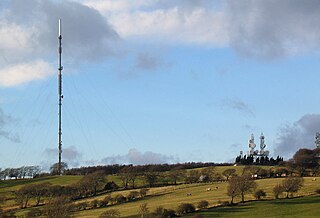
x,y
296,207
8,187
172,196
168,196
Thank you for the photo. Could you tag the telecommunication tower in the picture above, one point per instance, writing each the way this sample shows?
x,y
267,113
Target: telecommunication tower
x,y
256,153
60,99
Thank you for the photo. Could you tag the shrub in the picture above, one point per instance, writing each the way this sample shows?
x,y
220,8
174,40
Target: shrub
x,y
59,207
185,208
94,203
259,193
277,190
203,204
111,186
168,213
103,203
110,213
81,206
144,210
120,198
143,192
161,212
108,199
133,195
224,203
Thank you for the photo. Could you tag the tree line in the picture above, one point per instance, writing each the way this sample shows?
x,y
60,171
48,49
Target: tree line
x,y
263,161
20,172
116,168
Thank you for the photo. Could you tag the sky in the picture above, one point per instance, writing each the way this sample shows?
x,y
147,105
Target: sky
x,y
157,81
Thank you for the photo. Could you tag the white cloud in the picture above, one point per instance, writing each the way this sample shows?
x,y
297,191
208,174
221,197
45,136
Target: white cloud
x,y
28,35
25,72
272,29
70,155
171,22
300,134
253,28
140,158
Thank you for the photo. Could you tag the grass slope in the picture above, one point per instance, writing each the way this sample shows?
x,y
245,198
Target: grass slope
x,y
172,196
296,207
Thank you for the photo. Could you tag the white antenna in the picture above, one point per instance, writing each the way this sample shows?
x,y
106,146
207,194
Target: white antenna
x,y
60,99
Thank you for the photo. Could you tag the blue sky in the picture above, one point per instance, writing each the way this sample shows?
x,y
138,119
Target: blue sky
x,y
157,81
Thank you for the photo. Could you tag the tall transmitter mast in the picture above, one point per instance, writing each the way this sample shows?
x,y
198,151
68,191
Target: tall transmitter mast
x,y
60,99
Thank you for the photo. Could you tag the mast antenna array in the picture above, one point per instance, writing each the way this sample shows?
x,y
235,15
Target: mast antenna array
x,y
60,99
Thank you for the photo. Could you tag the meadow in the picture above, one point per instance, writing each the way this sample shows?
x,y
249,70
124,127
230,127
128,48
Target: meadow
x,y
307,207
171,196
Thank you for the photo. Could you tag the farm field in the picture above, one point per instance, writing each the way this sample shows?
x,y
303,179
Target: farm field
x,y
168,197
297,207
171,197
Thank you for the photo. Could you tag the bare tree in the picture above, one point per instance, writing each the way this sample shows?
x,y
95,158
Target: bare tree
x,y
58,207
242,185
292,185
232,190
23,195
39,190
277,190
151,178
124,176
175,175
229,172
305,159
112,213
144,210
54,168
94,182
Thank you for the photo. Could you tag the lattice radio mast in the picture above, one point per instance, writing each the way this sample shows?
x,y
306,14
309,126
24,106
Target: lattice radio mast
x,y
60,99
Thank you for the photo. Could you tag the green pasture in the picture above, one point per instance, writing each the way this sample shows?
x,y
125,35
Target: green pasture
x,y
167,196
307,207
172,196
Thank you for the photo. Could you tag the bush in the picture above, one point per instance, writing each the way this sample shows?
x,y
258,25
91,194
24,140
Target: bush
x,y
185,208
108,199
59,207
143,192
259,193
224,203
203,204
144,210
94,203
111,186
133,195
81,206
161,212
168,213
120,198
110,213
277,190
103,203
